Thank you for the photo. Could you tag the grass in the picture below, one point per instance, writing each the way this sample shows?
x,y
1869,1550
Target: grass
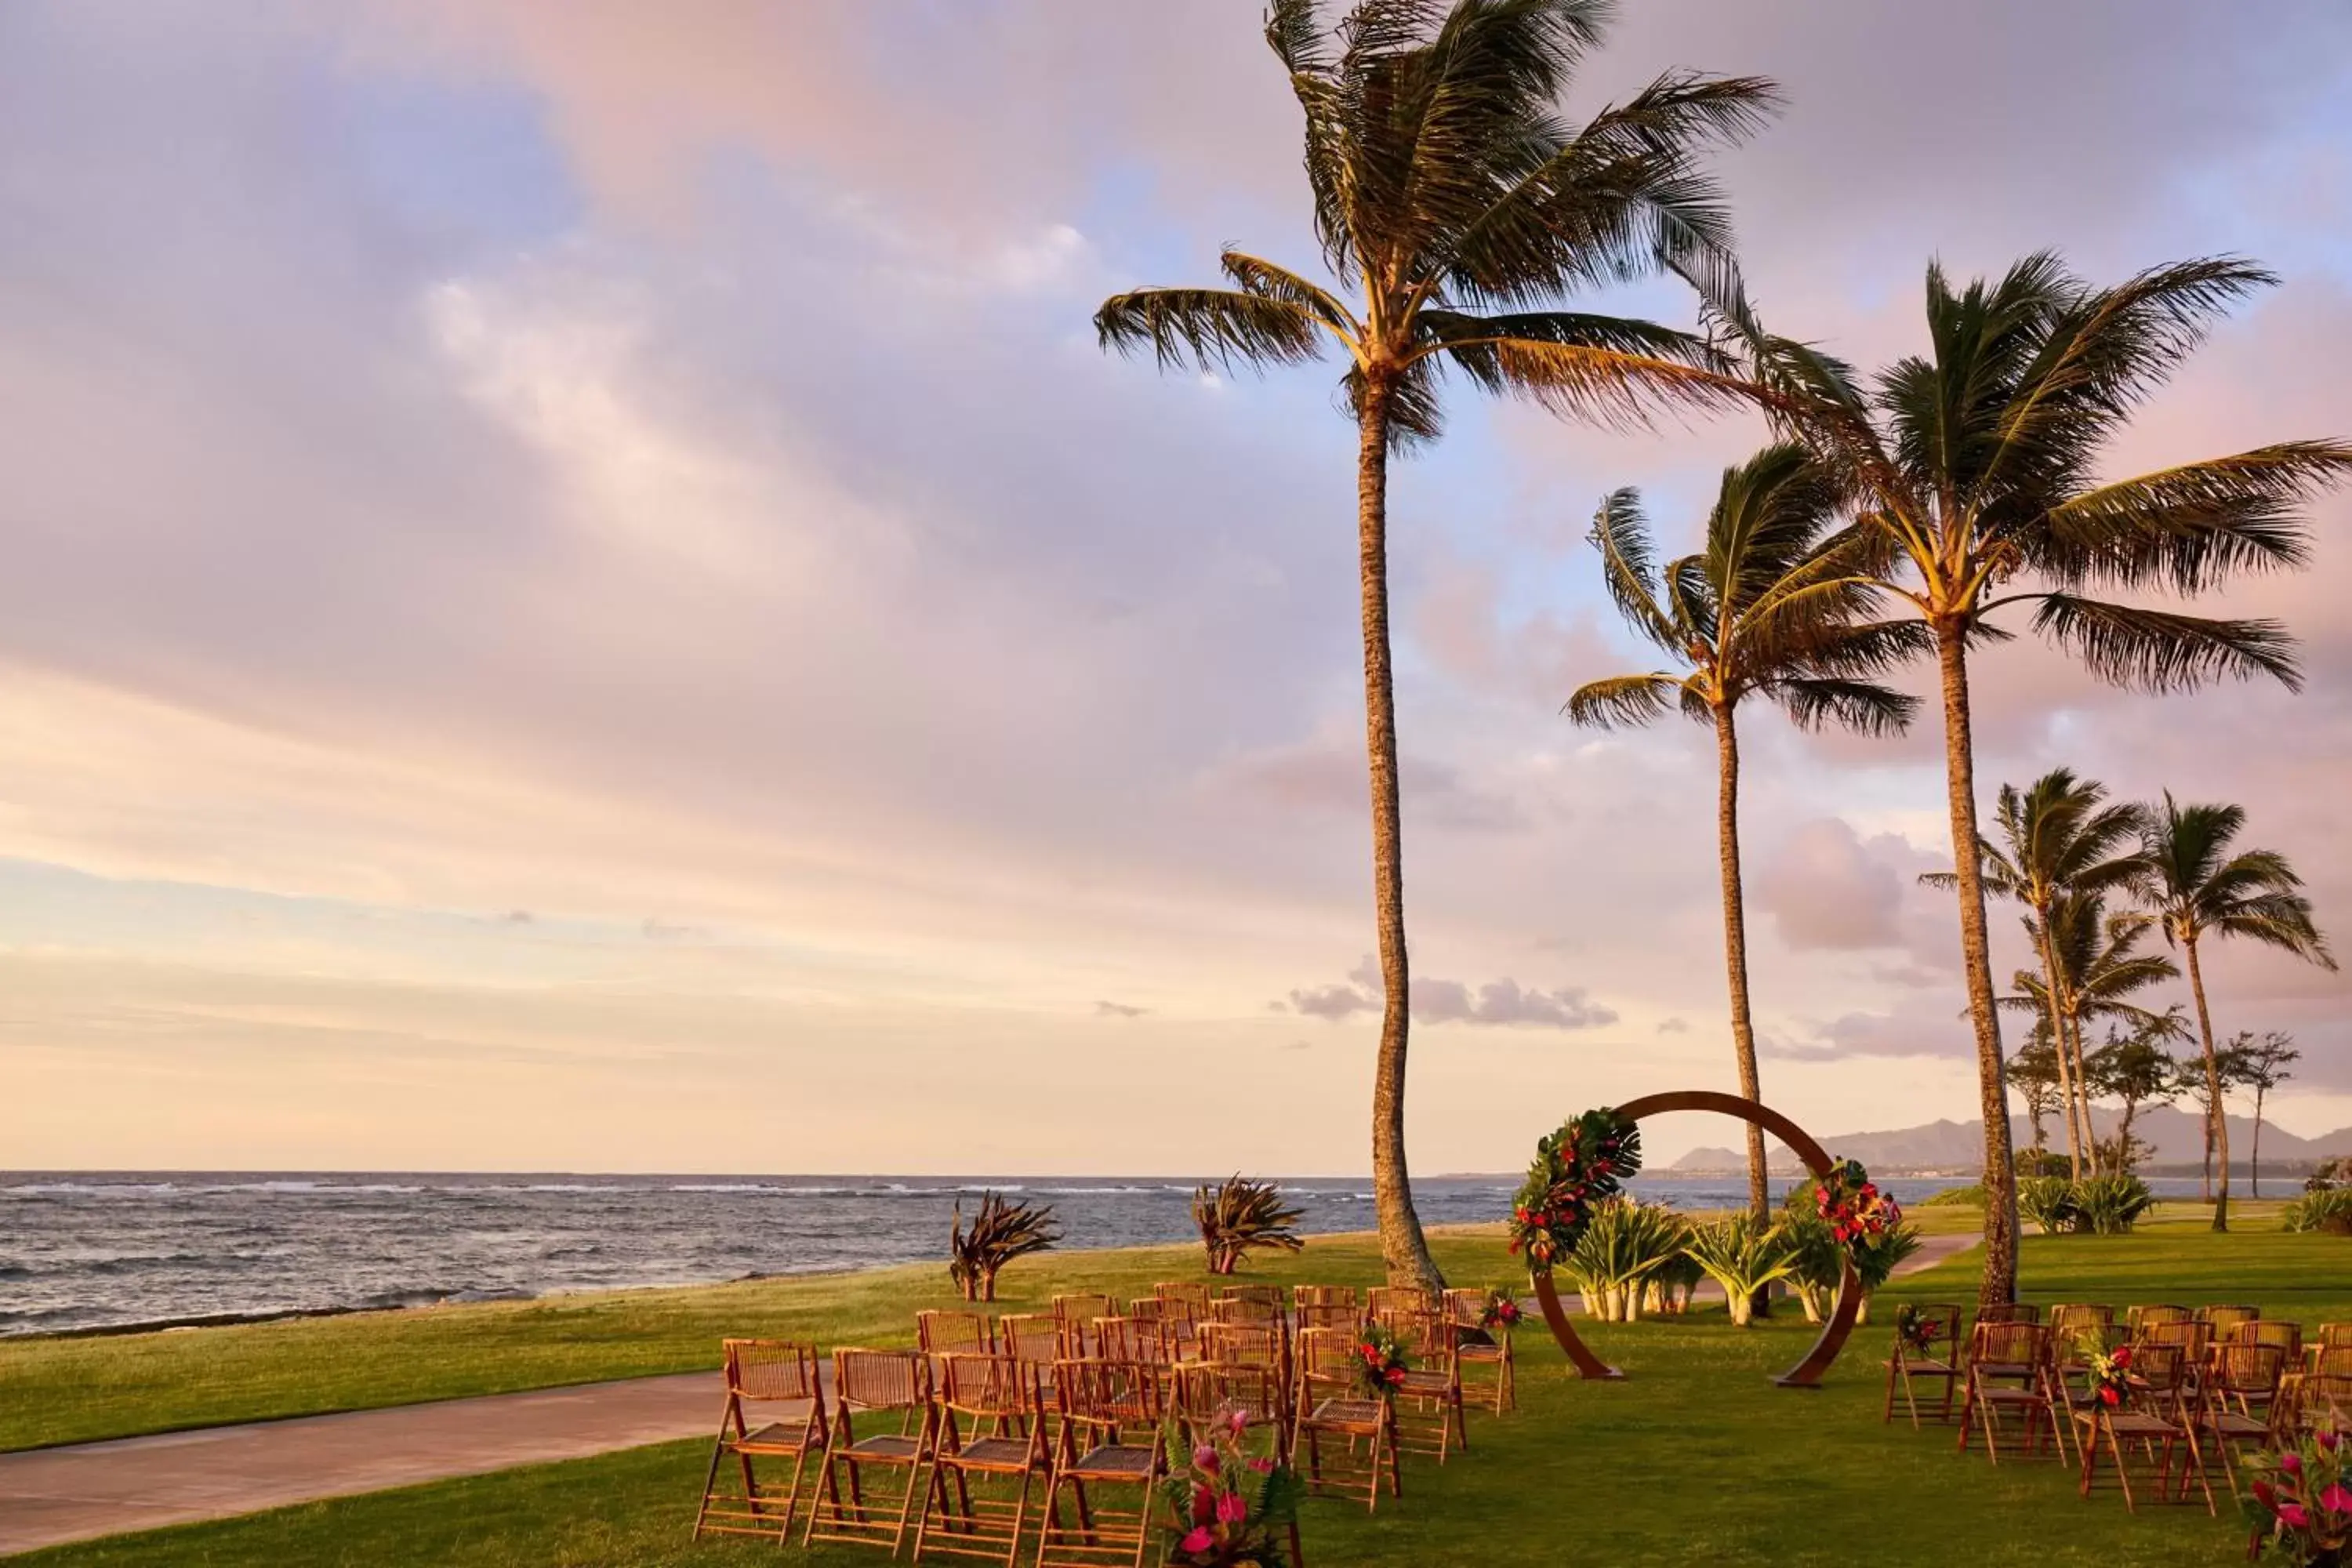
x,y
65,1390
1695,1457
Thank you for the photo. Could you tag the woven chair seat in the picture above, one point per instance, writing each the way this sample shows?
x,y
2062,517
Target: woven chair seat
x,y
2130,1424
1426,1384
1479,1352
2004,1369
1112,1461
886,1447
1926,1366
1365,1415
2011,1397
2230,1423
1010,1454
776,1438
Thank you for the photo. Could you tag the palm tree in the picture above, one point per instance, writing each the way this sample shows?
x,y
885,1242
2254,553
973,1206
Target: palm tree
x,y
2268,1063
1457,214
2096,958
2194,888
1975,466
2057,837
1768,607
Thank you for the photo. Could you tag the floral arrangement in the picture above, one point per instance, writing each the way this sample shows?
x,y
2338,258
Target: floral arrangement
x,y
2110,1370
1380,1355
1230,1508
2301,1504
1501,1311
1916,1330
1576,1169
1858,1214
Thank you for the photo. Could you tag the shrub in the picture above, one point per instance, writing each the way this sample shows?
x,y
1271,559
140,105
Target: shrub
x,y
1000,1232
2329,1174
1969,1196
1625,1243
2049,1202
1743,1255
1668,1291
1876,1264
2327,1211
2111,1206
1240,1215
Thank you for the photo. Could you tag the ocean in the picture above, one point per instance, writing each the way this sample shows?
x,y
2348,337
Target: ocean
x,y
81,1251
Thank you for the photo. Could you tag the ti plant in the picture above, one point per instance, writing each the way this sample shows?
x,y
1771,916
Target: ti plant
x,y
999,1232
1743,1255
1239,1215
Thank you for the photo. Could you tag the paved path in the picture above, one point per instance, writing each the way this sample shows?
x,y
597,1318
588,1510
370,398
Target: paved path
x,y
55,1495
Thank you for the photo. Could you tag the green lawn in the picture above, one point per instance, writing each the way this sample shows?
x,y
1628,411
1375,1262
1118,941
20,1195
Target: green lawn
x,y
1695,1457
81,1390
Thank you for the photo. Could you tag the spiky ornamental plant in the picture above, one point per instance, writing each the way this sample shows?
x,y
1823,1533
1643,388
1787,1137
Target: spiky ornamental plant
x,y
1458,213
1768,607
2193,888
1238,1217
2098,966
1000,1231
1975,466
2059,837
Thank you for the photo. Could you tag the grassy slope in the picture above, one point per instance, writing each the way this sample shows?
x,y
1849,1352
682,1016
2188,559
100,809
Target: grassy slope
x,y
1695,1457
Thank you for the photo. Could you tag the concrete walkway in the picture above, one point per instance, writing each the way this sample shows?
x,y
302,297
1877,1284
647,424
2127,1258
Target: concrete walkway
x,y
50,1496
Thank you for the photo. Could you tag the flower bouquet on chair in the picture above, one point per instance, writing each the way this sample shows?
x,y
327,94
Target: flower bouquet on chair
x,y
1381,1359
1231,1509
2301,1501
2110,1371
1916,1332
1501,1313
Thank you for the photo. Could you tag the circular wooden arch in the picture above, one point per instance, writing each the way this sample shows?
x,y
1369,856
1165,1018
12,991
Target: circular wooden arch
x,y
1806,1373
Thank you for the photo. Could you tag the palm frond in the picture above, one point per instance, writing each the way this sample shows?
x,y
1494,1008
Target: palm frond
x,y
1629,568
2193,526
2162,650
1861,706
1629,700
1208,329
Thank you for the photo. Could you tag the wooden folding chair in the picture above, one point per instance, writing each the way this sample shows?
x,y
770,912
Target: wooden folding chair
x,y
2237,1405
762,1374
875,1384
2322,1403
1264,1295
1333,1407
958,1333
2225,1319
2331,1336
1488,1368
991,1435
2140,1318
2153,1419
1429,1418
2284,1332
1109,1437
1329,1315
1178,1319
1939,1363
2070,1319
2070,1376
2007,1375
1189,1290
1074,1313
1382,1298
2194,1336
1129,1338
1324,1296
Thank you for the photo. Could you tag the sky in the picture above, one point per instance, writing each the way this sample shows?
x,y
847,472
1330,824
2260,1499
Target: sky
x,y
579,595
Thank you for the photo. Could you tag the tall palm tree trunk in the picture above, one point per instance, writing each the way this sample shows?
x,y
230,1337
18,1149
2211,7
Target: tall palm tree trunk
x,y
1403,1246
2221,1126
2052,993
2257,1171
1735,943
1999,1281
2082,1090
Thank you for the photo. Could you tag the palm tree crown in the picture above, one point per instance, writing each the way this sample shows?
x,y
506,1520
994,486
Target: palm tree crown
x,y
2193,886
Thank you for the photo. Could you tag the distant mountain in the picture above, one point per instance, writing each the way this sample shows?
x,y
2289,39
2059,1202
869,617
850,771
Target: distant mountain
x,y
2176,1136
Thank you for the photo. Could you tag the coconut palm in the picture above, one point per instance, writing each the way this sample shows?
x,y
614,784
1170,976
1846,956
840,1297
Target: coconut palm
x,y
2096,959
2056,837
1457,216
2193,887
1976,466
1766,608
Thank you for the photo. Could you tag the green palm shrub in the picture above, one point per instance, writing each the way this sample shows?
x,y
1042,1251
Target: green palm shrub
x,y
1240,1215
2111,1206
1876,1265
2049,1202
1668,1290
1743,1255
1626,1243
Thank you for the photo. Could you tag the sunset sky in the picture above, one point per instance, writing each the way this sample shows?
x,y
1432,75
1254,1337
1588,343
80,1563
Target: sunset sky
x,y
579,594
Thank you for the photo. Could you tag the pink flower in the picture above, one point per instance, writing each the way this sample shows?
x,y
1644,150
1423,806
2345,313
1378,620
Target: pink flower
x,y
2291,1464
1204,1458
1204,1505
1236,1421
1231,1509
1196,1540
1261,1465
2328,1440
2336,1498
2294,1516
